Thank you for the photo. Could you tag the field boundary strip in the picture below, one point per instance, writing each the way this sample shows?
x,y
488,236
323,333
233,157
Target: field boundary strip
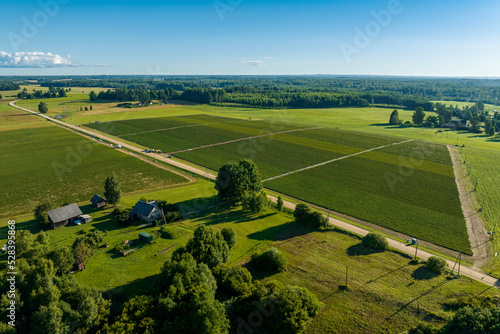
x,y
246,138
336,159
174,128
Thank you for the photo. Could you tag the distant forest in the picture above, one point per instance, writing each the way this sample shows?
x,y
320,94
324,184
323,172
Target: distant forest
x,y
292,91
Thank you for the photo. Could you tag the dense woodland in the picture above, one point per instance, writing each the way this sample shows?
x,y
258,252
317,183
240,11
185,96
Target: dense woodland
x,y
294,91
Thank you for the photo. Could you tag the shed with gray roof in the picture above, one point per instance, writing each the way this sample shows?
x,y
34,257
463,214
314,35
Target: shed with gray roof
x,y
63,216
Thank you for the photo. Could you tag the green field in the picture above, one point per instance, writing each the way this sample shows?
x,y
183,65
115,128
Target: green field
x,y
409,188
53,164
392,188
384,294
485,170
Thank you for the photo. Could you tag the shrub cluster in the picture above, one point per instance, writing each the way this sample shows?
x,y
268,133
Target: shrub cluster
x,y
270,260
303,214
375,241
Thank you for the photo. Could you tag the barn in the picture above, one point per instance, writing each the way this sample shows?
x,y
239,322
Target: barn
x,y
64,215
98,201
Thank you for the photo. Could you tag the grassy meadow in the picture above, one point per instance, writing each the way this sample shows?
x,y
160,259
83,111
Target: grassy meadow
x,y
385,293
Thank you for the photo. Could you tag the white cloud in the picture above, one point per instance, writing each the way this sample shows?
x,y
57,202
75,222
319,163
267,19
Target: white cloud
x,y
253,62
37,60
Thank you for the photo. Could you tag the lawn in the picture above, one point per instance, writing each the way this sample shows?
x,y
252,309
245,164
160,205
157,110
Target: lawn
x,y
386,294
13,119
53,164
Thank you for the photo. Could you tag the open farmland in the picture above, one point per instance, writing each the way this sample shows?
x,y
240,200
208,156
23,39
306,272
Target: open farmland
x,y
392,188
51,164
406,186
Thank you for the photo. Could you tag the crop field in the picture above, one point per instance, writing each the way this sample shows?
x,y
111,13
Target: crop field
x,y
392,188
172,134
52,164
406,186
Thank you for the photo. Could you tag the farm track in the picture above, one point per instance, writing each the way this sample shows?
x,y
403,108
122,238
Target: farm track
x,y
475,226
246,138
473,273
336,159
172,128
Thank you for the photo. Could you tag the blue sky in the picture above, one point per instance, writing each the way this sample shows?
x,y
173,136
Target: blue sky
x,y
411,37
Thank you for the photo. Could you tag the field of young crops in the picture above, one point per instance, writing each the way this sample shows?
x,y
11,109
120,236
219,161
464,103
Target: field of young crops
x,y
172,134
52,164
399,187
408,187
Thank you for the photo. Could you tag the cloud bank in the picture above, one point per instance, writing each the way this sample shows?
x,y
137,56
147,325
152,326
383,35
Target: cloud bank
x,y
37,60
253,62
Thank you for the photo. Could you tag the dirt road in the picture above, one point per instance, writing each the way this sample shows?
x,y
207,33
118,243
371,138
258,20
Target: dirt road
x,y
473,273
478,236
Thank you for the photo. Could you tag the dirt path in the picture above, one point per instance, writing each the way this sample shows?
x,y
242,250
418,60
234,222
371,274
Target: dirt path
x,y
333,160
478,236
247,138
473,273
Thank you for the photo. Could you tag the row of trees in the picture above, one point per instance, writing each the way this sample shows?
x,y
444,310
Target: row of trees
x,y
37,94
429,89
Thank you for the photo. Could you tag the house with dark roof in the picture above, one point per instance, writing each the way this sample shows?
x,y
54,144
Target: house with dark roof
x,y
146,211
63,216
98,201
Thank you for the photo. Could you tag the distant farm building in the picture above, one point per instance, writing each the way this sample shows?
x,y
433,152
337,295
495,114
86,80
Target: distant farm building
x,y
98,201
65,215
146,211
146,237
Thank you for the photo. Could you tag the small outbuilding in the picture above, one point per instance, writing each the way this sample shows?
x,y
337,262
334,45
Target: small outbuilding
x,y
98,201
146,237
146,211
63,216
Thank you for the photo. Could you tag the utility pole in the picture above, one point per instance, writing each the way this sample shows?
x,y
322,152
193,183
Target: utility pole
x,y
328,216
416,251
458,260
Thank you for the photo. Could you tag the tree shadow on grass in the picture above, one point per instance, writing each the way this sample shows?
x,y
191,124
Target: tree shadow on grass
x,y
122,293
359,249
256,273
269,233
387,274
423,274
232,217
433,289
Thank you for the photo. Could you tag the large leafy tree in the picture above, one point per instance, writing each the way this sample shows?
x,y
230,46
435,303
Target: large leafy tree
x,y
208,246
235,181
418,116
43,108
41,216
112,190
477,319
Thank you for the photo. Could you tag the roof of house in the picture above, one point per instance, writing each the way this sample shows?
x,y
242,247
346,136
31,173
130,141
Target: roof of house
x,y
97,199
143,208
144,234
64,213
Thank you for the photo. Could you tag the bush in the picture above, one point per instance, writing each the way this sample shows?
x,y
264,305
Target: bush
x,y
269,260
229,236
436,264
305,216
173,216
375,241
123,217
